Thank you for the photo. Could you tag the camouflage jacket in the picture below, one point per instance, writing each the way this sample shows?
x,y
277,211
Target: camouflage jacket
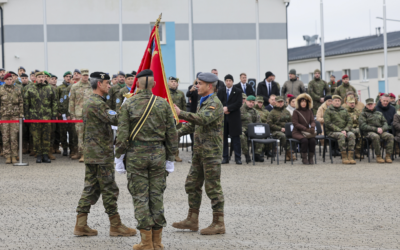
x,y
337,120
64,101
79,93
98,135
355,115
343,89
207,125
11,101
248,115
277,118
179,99
40,102
112,95
332,86
159,126
318,89
263,112
120,98
59,91
24,89
370,121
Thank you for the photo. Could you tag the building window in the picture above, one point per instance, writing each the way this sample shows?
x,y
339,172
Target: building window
x,y
347,72
299,76
161,32
311,76
381,72
328,74
364,74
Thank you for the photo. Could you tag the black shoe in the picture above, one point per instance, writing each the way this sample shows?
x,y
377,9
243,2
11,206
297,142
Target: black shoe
x,y
239,162
39,159
46,159
225,161
259,158
248,159
269,154
65,152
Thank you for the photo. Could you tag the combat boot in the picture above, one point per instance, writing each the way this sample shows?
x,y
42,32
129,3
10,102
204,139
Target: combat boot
x,y
146,240
311,158
51,150
177,158
345,160
294,155
57,151
46,159
304,159
14,159
217,226
76,156
65,151
119,229
25,148
1,151
32,153
38,159
81,227
259,158
8,161
191,222
357,154
51,156
82,159
248,159
288,155
157,238
388,158
350,156
379,159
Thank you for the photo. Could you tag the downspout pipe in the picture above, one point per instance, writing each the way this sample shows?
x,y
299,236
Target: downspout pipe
x,y
320,64
2,37
287,39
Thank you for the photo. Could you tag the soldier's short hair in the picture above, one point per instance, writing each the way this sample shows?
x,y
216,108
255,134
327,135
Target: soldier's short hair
x,y
243,74
94,81
142,82
386,95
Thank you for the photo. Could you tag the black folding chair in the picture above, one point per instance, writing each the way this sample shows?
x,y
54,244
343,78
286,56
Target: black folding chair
x,y
288,134
369,144
319,137
330,140
260,133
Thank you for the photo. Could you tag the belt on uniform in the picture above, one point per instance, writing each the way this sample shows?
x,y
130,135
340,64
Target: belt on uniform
x,y
145,143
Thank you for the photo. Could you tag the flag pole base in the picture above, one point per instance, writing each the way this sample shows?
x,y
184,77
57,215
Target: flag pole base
x,y
21,164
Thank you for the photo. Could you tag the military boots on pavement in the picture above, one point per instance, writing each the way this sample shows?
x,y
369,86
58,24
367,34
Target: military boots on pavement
x,y
350,157
146,240
217,226
76,156
46,159
14,159
82,159
379,159
388,159
119,229
191,222
8,160
177,158
51,156
345,159
157,238
81,227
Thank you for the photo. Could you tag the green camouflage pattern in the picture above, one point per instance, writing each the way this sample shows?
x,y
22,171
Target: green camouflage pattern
x,y
111,97
41,133
332,86
376,144
11,101
99,180
355,115
207,126
98,135
277,119
40,102
120,98
247,116
344,142
318,89
343,89
178,98
263,112
337,120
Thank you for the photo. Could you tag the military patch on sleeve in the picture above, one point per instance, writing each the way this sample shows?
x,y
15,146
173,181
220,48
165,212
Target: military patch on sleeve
x,y
117,101
211,107
112,112
65,97
108,97
69,94
207,113
61,100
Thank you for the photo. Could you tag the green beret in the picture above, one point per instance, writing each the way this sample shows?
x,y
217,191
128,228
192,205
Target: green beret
x,y
336,97
67,73
369,100
244,96
260,99
251,98
279,98
47,73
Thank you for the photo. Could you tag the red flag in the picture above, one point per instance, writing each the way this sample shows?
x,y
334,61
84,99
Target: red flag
x,y
152,59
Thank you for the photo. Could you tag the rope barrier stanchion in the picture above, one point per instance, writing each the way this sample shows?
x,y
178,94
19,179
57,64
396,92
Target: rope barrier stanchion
x,y
20,163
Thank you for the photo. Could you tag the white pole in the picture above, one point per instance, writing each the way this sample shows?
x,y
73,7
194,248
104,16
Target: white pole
x,y
191,44
120,35
257,43
322,43
45,36
385,47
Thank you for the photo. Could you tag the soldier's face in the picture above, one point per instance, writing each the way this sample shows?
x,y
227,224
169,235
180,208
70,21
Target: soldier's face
x,y
85,78
346,80
260,104
173,84
67,78
385,101
40,78
228,83
317,75
121,79
20,71
104,86
9,81
392,99
114,81
351,104
2,73
370,106
77,76
203,88
243,78
332,79
53,81
336,103
250,104
129,81
15,77
33,78
279,104
24,80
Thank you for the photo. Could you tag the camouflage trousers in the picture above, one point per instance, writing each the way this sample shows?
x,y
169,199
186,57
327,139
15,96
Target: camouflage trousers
x,y
375,137
205,171
356,132
68,136
26,133
282,139
245,146
350,140
147,183
9,133
79,128
55,135
41,133
99,180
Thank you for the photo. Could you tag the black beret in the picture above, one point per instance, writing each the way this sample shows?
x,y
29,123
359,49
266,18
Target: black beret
x,y
100,75
133,73
24,75
77,71
228,76
54,76
121,73
328,97
12,73
146,72
114,76
172,78
268,74
36,70
129,75
21,68
1,69
33,72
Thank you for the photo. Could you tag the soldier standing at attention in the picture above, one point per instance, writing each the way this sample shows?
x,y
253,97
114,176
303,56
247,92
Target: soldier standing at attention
x,y
25,126
99,160
70,127
150,148
40,101
21,70
344,88
53,141
355,115
318,89
79,93
178,97
338,124
11,108
112,94
332,84
63,126
207,125
114,80
129,78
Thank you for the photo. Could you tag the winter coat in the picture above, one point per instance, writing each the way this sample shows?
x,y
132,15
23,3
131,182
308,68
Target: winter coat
x,y
299,124
396,126
388,112
293,87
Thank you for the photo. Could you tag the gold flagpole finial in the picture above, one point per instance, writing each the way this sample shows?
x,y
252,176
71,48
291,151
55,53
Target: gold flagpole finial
x,y
158,20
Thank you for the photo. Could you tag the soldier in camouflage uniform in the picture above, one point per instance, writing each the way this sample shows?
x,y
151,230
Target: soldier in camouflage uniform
x,y
63,126
318,89
147,156
79,93
53,141
263,112
114,80
248,114
69,127
374,126
277,119
179,99
338,124
25,126
99,157
112,94
343,89
207,125
40,101
332,84
129,78
11,108
354,114
244,97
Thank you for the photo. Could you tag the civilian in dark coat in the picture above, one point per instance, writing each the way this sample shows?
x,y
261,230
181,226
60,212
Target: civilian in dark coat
x,y
271,104
386,109
244,86
221,92
232,121
265,92
194,97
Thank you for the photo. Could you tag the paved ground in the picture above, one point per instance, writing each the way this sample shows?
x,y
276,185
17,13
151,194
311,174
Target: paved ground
x,y
325,206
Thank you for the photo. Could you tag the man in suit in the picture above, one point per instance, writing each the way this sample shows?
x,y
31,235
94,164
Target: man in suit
x,y
232,121
267,88
272,103
244,86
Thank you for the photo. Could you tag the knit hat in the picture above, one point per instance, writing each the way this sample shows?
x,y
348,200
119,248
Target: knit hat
x,y
292,71
228,76
268,74
317,71
328,97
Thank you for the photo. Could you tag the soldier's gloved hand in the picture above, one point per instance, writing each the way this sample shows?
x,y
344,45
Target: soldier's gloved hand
x,y
119,164
169,166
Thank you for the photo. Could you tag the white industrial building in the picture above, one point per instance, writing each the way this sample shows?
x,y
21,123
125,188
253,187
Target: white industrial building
x,y
361,58
61,35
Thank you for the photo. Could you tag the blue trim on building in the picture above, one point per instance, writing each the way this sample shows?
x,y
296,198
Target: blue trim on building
x,y
168,50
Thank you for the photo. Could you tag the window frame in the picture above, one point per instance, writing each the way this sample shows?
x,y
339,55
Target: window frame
x,y
162,28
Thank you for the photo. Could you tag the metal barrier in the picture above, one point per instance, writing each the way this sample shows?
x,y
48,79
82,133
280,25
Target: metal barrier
x,y
20,163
